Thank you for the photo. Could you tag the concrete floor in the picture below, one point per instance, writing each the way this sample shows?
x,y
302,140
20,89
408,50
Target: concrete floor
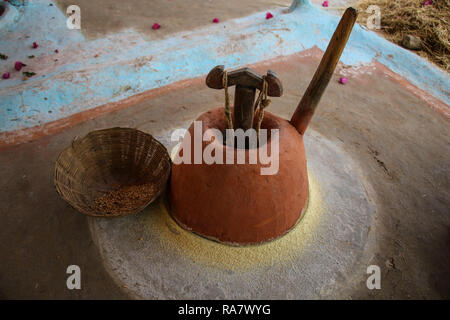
x,y
400,143
173,15
104,17
74,75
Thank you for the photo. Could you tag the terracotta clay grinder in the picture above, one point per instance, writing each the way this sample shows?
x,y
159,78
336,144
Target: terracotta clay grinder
x,y
235,203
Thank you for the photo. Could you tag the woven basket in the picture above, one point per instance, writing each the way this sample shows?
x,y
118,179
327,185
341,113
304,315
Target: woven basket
x,y
105,160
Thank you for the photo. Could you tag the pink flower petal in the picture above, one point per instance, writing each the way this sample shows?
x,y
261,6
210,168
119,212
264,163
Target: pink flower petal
x,y
428,2
269,15
156,26
6,75
342,80
216,20
18,65
325,4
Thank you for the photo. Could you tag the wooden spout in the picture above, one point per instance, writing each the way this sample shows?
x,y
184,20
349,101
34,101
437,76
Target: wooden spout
x,y
305,109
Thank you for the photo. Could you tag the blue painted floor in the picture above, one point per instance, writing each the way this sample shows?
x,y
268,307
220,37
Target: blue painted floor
x,y
84,74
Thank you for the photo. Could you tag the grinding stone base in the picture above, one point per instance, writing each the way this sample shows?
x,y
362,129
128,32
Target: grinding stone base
x,y
167,208
152,257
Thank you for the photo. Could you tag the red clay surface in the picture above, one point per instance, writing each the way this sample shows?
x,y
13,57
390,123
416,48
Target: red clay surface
x,y
235,203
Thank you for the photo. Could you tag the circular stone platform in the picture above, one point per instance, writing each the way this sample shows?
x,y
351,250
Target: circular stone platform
x,y
152,257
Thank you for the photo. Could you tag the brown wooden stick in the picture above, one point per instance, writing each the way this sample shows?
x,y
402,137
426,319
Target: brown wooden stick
x,y
246,82
305,109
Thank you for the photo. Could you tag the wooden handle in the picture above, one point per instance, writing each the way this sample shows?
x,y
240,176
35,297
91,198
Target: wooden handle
x,y
245,77
246,81
305,109
244,98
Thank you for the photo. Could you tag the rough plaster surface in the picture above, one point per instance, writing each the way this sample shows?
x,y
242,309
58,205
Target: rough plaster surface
x,y
387,129
85,74
136,251
104,17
